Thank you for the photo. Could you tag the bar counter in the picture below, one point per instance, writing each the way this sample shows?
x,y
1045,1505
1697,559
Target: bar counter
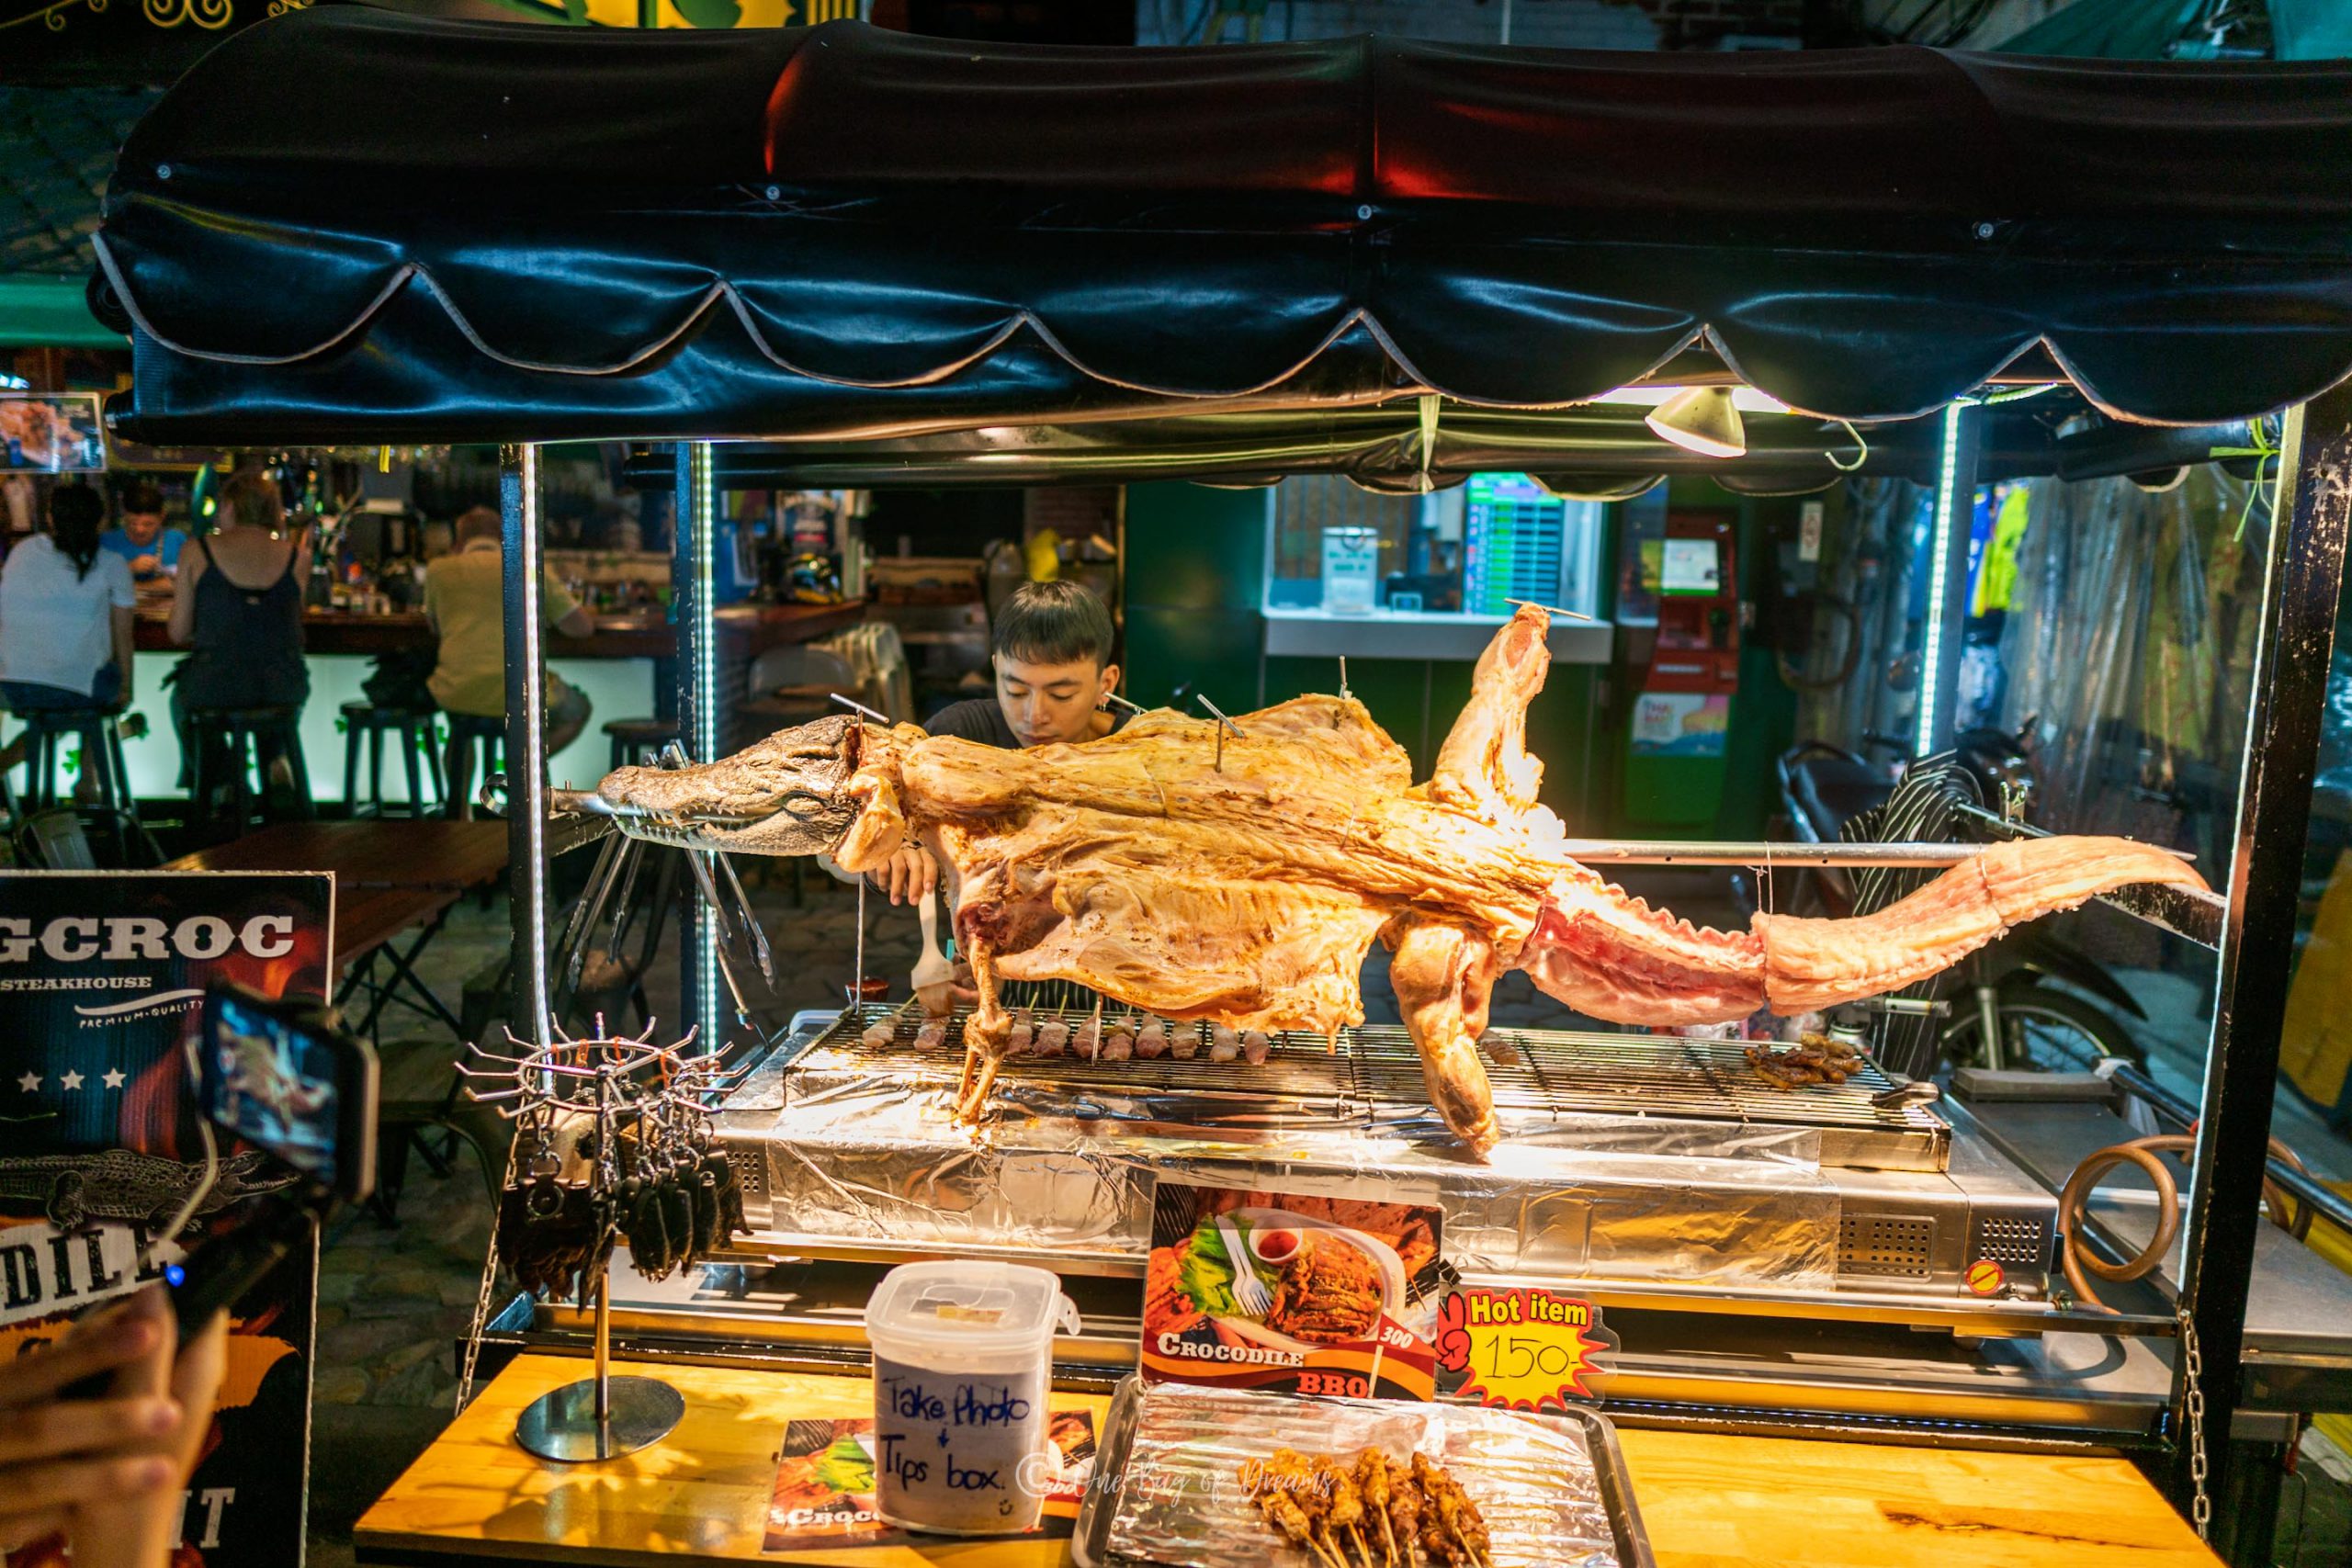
x,y
752,629
625,667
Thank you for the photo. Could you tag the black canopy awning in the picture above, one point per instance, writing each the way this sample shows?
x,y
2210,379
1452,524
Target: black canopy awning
x,y
352,226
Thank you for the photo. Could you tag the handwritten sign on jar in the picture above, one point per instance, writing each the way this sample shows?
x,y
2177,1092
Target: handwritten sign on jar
x,y
963,1356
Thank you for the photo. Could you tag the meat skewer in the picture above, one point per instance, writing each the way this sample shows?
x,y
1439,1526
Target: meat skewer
x,y
1452,1530
1347,1504
1254,1046
1151,1041
1372,1484
1291,1474
1281,1510
1405,1507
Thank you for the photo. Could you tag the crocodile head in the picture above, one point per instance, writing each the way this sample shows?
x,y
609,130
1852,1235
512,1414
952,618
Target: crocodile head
x,y
785,795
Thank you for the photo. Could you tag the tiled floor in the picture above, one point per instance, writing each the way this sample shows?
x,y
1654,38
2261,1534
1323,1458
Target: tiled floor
x,y
393,1301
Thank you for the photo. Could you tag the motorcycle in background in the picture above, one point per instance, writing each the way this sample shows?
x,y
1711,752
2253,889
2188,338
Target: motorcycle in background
x,y
2001,1008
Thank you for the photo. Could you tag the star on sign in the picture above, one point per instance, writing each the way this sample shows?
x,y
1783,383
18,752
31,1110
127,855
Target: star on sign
x,y
29,1083
71,1081
113,1079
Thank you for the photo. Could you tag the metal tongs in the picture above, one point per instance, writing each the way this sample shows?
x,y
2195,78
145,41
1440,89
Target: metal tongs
x,y
730,910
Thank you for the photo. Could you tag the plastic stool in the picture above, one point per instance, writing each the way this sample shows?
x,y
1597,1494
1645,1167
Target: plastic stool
x,y
412,729
232,756
45,729
639,740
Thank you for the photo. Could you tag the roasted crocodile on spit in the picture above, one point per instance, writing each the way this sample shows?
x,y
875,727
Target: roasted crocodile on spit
x,y
1247,893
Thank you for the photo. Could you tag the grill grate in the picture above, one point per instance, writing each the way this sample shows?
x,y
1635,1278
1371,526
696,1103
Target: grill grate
x,y
1376,1068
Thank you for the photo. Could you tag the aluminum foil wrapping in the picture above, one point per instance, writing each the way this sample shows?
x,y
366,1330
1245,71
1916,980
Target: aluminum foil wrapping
x,y
1180,1502
879,1160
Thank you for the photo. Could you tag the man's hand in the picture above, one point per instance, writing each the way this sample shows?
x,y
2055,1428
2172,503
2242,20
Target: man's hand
x,y
907,876
146,565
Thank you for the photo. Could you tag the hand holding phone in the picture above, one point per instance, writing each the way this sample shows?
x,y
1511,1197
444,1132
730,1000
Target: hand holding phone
x,y
96,1424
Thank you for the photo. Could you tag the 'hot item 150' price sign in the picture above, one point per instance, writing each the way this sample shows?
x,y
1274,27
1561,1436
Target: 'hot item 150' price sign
x,y
1523,1348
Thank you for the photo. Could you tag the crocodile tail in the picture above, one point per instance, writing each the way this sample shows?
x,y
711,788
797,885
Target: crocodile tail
x,y
1611,956
1810,964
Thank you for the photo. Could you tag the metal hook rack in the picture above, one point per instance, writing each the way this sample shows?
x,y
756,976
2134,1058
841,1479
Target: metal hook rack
x,y
661,1094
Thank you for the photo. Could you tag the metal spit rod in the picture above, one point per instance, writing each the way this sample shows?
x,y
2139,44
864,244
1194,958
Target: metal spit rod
x,y
1610,852
1675,851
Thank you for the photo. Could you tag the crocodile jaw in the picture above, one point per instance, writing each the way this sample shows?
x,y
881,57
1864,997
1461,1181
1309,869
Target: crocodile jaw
x,y
788,795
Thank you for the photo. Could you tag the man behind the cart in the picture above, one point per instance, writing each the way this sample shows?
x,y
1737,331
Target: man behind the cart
x,y
1051,650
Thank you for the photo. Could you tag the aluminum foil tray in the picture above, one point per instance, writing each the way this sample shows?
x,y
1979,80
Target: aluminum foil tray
x,y
850,1151
1553,1489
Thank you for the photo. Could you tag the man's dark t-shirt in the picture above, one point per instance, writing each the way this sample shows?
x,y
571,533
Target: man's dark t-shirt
x,y
982,719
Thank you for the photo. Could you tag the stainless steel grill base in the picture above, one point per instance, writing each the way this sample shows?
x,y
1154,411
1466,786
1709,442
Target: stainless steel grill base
x,y
1647,1160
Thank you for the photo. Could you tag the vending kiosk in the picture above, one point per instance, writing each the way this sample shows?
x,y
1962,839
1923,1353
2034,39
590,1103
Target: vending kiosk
x,y
1682,708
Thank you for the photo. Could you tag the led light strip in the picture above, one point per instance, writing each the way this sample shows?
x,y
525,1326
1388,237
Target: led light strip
x,y
534,732
1931,647
702,742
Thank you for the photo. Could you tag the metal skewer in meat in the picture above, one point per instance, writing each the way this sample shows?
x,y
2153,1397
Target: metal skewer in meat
x,y
1246,891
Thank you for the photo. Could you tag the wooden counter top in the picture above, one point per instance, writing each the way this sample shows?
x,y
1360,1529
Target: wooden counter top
x,y
1725,1502
1708,1502
749,629
701,1492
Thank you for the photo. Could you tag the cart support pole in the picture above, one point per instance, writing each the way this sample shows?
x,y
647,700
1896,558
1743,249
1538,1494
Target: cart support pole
x,y
696,517
2302,579
525,562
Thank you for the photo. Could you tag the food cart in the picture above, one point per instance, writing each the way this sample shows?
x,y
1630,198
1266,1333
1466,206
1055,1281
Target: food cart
x,y
838,255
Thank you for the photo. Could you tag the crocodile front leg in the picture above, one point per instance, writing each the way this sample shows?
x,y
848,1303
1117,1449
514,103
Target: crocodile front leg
x,y
985,1032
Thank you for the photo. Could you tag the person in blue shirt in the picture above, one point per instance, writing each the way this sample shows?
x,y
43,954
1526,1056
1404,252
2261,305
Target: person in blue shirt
x,y
152,550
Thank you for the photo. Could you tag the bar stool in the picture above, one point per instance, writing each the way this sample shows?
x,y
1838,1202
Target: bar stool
x,y
465,730
101,754
411,730
638,740
233,751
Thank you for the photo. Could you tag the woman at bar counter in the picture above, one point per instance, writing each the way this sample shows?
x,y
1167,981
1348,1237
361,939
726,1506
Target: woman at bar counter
x,y
65,611
237,602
